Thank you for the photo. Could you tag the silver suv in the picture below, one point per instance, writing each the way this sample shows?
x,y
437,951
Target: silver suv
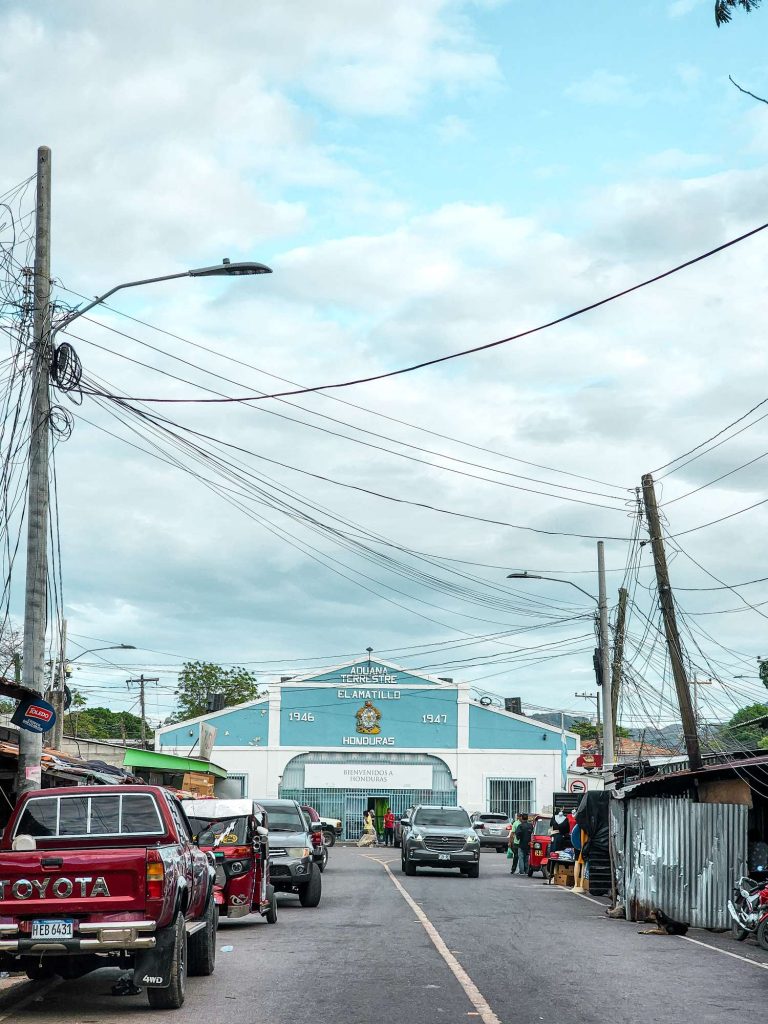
x,y
493,829
440,837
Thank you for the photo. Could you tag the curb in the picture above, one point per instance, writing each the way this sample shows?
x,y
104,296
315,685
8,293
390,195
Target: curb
x,y
13,989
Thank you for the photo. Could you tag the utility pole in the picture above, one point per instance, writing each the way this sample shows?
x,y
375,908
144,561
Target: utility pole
x,y
596,698
35,595
618,657
674,644
605,658
58,683
142,681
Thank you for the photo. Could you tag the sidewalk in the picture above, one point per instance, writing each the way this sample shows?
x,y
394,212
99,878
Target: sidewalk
x,y
13,988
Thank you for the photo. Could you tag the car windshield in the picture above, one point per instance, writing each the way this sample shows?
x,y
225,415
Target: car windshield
x,y
493,817
455,817
220,831
541,828
285,819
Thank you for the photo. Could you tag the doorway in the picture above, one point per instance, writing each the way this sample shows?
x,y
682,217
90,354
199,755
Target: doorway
x,y
378,805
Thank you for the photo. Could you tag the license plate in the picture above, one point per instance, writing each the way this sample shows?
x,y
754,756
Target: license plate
x,y
495,831
443,856
52,929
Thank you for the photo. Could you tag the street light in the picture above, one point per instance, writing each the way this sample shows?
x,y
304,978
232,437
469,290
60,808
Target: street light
x,y
93,650
605,661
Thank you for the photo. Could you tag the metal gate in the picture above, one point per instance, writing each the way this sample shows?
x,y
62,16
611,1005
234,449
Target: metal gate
x,y
681,858
511,796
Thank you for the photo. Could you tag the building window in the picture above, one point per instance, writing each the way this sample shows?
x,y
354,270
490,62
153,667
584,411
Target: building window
x,y
511,796
238,780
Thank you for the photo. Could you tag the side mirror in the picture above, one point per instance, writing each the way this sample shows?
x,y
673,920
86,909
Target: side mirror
x,y
262,832
478,824
405,821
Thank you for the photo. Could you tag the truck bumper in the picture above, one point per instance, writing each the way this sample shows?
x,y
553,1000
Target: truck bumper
x,y
91,938
453,859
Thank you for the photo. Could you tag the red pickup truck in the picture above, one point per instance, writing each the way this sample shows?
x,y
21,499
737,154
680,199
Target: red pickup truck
x,y
101,876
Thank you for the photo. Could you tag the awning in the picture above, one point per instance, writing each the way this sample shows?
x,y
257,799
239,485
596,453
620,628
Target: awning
x,y
171,763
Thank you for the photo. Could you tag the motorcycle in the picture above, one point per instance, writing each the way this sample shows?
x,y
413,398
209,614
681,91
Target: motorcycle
x,y
749,910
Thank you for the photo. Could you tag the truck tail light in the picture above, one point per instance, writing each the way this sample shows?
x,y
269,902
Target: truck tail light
x,y
155,875
317,839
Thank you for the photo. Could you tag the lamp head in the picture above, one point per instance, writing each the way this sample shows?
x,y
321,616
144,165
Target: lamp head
x,y
228,269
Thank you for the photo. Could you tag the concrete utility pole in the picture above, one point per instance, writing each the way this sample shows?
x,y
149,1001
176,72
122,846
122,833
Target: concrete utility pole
x,y
618,657
142,681
605,657
35,596
58,683
674,645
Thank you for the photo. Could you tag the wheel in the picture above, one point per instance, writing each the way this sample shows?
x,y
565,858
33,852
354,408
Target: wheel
x,y
202,945
408,866
501,849
309,894
530,872
271,914
762,934
738,933
398,843
39,972
322,863
544,871
329,838
172,998
473,870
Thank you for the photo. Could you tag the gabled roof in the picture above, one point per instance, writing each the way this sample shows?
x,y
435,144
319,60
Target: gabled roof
x,y
318,676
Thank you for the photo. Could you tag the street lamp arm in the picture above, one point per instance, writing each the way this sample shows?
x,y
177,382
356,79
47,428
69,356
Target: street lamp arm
x,y
112,647
554,579
223,269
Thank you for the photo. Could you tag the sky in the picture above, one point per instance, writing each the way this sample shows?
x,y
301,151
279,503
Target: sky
x,y
422,179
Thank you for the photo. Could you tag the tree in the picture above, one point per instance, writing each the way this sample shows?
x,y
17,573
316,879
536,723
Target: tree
x,y
100,723
200,680
723,9
734,734
588,731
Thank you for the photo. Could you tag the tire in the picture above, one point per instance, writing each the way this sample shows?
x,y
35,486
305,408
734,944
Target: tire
x,y
762,934
172,998
545,871
473,870
329,838
408,866
322,863
202,945
309,894
271,914
738,933
398,843
501,849
530,872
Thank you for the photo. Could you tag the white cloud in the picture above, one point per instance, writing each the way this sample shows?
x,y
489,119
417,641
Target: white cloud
x,y
605,88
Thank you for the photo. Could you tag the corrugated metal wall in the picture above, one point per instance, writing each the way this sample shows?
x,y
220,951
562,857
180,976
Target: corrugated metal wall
x,y
682,858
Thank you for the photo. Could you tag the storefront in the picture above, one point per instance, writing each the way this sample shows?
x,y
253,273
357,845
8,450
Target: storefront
x,y
369,735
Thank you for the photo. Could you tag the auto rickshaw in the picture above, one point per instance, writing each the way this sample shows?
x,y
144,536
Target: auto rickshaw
x,y
538,853
236,834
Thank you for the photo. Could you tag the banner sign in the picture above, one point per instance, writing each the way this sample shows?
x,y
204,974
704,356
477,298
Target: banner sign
x,y
207,739
376,778
34,715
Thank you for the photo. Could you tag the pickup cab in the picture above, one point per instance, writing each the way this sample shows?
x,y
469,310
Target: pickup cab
x,y
106,876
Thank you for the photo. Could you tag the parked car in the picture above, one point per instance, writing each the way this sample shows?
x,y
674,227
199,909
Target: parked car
x,y
399,826
292,866
319,846
100,876
332,829
440,837
237,835
493,829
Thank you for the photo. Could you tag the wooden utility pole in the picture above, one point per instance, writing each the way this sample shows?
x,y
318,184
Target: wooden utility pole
x,y
142,681
58,684
35,595
674,644
605,659
618,656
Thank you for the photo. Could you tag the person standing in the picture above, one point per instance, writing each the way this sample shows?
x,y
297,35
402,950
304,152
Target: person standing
x,y
513,843
524,833
389,828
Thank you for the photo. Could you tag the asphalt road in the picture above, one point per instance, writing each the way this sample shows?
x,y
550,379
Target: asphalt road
x,y
513,950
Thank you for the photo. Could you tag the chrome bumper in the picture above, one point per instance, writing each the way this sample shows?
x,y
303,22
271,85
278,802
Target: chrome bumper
x,y
99,938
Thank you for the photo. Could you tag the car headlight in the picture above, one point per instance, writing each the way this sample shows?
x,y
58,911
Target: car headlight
x,y
473,838
417,837
299,851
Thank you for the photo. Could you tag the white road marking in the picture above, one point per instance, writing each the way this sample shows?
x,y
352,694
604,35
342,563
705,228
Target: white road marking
x,y
39,992
725,952
471,990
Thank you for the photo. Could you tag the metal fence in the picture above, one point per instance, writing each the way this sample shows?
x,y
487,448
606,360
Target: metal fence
x,y
349,805
681,857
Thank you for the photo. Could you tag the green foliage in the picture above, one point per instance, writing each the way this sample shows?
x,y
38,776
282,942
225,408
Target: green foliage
x,y
723,9
588,731
100,723
751,736
763,669
199,680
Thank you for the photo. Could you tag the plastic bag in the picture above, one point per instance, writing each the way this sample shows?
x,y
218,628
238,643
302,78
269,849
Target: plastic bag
x,y
510,855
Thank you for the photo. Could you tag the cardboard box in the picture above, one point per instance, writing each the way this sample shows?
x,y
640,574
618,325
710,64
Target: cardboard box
x,y
564,874
199,783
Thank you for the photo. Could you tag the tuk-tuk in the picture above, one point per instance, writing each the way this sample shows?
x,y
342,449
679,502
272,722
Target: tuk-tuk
x,y
236,834
538,853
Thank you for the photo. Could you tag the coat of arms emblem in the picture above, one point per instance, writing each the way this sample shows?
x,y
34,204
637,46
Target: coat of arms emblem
x,y
368,718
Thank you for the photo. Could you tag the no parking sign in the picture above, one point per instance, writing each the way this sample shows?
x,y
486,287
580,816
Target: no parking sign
x,y
578,786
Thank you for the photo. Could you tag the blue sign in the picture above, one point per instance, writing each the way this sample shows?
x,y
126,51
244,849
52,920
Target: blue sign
x,y
34,714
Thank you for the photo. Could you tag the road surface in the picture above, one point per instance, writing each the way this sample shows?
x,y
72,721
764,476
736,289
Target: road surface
x,y
439,947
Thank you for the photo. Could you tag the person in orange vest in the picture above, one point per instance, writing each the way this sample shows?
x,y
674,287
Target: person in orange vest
x,y
389,828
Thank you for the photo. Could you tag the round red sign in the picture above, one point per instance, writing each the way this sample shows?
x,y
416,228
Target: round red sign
x,y
578,786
